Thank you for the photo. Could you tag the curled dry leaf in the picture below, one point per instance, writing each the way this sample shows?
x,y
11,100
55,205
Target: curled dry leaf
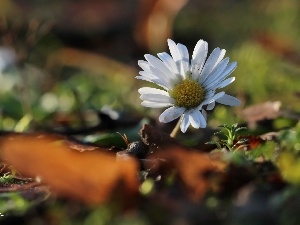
x,y
92,176
192,168
262,111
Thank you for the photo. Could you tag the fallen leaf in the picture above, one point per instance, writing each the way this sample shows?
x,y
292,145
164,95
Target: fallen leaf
x,y
192,169
92,177
262,111
155,22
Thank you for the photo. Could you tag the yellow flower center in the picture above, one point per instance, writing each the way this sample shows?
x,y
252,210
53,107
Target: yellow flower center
x,y
188,93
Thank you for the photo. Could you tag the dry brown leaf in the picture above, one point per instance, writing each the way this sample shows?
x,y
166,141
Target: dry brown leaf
x,y
155,22
192,169
262,111
92,176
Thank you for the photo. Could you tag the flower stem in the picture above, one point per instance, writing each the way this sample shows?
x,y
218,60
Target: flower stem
x,y
176,129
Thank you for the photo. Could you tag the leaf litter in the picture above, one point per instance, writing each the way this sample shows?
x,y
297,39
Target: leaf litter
x,y
173,174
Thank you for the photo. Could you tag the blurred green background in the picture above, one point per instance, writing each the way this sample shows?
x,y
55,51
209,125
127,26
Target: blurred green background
x,y
65,61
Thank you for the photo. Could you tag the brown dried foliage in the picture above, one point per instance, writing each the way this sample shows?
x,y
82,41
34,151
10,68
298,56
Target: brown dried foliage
x,y
91,176
193,169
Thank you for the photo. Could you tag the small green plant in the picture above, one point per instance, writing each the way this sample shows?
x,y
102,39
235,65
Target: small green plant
x,y
229,142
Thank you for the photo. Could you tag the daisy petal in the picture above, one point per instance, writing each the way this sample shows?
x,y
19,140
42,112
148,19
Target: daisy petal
x,y
171,114
174,51
168,61
217,71
198,58
204,113
155,62
209,94
215,83
200,51
157,98
205,102
161,78
185,63
152,78
211,99
215,57
148,75
143,78
218,95
156,104
144,65
178,57
211,106
226,82
148,90
185,123
202,120
195,119
229,100
229,69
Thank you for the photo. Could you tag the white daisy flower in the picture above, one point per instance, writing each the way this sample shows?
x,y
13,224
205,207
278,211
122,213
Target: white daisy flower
x,y
188,85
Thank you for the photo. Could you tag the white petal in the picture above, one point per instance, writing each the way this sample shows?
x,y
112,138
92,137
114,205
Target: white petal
x,y
156,104
209,94
226,82
161,78
148,90
200,51
185,63
205,102
185,123
211,99
204,113
157,98
178,53
148,75
143,78
215,83
217,71
211,106
198,58
202,120
229,69
155,62
144,65
229,100
219,95
156,81
168,61
174,50
197,120
171,113
215,57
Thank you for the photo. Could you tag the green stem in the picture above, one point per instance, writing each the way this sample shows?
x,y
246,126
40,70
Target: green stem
x,y
176,129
